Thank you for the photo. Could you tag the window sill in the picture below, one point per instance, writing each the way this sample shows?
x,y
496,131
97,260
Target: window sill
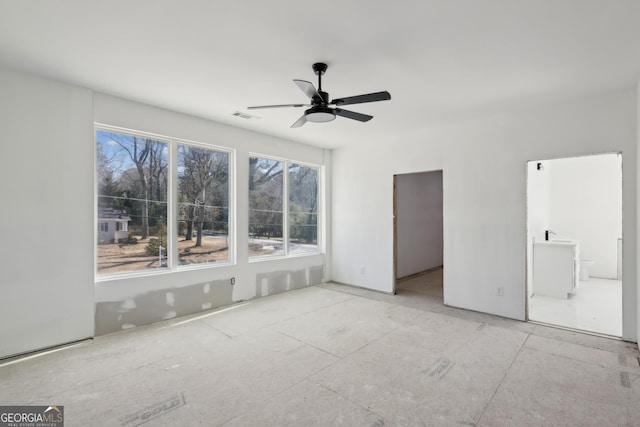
x,y
158,272
283,257
203,266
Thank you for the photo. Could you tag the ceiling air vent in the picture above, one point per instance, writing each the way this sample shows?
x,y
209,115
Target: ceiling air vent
x,y
245,115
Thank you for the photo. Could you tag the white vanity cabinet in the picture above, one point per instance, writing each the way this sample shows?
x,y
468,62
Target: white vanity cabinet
x,y
556,268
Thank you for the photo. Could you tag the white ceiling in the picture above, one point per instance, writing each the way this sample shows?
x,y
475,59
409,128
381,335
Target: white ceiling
x,y
440,59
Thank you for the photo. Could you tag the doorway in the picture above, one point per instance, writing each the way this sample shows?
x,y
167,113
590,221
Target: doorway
x,y
418,233
574,243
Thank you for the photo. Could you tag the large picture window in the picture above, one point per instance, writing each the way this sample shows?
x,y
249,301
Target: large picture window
x,y
280,225
162,203
132,202
203,205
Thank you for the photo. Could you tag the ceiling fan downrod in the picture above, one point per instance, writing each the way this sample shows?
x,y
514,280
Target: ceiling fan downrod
x,y
319,68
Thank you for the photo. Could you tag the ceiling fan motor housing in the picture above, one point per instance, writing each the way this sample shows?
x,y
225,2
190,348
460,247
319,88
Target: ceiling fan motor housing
x,y
324,98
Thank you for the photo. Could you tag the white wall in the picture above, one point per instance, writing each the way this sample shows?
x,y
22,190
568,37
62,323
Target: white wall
x,y
586,204
484,163
419,222
46,221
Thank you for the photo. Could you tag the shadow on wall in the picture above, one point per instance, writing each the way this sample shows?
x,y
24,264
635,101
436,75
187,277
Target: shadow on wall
x,y
161,305
282,281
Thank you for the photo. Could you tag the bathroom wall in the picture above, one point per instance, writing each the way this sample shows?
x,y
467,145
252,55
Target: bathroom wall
x,y
419,222
484,163
538,198
538,209
586,204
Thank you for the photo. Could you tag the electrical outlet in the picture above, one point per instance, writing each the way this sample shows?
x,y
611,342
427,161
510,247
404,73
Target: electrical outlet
x,y
500,291
233,281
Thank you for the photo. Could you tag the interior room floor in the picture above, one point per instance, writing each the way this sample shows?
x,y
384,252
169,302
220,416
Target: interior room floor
x,y
596,306
336,355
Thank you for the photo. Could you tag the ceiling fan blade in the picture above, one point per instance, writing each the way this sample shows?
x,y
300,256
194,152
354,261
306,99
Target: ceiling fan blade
x,y
301,121
352,115
278,106
361,99
308,88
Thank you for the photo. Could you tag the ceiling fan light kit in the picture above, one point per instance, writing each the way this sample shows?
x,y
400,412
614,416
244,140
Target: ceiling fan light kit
x,y
320,111
320,114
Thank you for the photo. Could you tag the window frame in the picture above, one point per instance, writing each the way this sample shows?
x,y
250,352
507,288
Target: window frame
x,y
319,197
285,209
173,264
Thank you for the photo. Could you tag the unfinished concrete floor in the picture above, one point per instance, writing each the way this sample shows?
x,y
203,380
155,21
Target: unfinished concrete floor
x,y
335,355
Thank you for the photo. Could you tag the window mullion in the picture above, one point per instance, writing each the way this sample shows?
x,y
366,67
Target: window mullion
x,y
172,229
285,207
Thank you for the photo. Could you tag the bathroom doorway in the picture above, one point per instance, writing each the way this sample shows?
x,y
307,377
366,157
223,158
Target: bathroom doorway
x,y
574,243
418,234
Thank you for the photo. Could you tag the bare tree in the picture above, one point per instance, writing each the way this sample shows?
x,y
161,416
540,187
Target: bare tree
x,y
265,197
303,199
138,152
259,175
203,170
157,172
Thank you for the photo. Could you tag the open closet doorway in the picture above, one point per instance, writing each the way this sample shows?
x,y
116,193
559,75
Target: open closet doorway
x,y
418,234
574,243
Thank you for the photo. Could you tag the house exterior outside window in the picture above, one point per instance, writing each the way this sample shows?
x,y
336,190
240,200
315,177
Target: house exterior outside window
x,y
112,233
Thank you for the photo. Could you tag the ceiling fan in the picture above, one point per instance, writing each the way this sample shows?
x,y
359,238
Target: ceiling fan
x,y
320,110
